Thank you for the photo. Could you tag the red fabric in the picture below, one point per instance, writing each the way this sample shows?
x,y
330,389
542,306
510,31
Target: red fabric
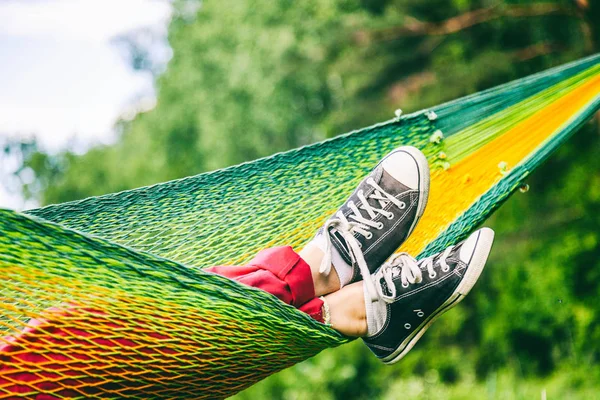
x,y
24,372
314,308
283,273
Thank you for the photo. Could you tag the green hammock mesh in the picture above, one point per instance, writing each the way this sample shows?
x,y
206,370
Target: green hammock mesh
x,y
106,296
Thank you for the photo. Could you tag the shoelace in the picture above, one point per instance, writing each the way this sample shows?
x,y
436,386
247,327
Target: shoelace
x,y
410,271
359,225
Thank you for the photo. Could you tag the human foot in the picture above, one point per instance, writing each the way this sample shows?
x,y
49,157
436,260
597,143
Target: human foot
x,y
377,218
414,294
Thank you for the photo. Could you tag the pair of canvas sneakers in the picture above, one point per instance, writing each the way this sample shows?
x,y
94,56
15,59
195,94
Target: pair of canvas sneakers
x,y
403,296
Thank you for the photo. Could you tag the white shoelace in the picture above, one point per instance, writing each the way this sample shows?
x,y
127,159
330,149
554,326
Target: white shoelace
x,y
410,271
359,225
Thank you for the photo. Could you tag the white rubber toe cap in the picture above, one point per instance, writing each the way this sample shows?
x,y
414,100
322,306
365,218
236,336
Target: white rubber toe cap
x,y
405,165
483,236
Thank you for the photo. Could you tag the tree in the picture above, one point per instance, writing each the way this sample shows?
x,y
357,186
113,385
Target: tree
x,y
250,79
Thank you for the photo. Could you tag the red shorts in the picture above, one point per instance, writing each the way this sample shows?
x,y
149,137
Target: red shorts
x,y
281,272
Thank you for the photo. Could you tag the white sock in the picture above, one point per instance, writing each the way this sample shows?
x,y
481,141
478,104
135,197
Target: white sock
x,y
342,268
376,313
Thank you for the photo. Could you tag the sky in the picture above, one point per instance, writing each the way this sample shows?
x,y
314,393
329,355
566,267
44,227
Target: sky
x,y
62,78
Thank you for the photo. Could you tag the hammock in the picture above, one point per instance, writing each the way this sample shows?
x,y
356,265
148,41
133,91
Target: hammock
x,y
106,296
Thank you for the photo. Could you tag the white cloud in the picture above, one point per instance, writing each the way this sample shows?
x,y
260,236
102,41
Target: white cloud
x,y
60,90
61,79
15,201
87,20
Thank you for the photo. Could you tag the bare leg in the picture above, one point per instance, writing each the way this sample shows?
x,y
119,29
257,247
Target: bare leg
x,y
346,305
347,310
324,284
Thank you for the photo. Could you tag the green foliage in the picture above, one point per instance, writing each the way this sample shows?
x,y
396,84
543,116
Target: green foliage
x,y
251,78
248,79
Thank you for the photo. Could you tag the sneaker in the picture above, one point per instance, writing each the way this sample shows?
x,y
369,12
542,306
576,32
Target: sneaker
x,y
414,294
377,218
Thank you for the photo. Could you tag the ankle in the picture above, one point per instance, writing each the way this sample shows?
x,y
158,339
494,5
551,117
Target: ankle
x,y
360,326
324,284
347,310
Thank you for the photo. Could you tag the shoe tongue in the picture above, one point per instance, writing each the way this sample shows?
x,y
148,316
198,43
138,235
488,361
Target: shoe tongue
x,y
341,245
454,253
456,249
391,185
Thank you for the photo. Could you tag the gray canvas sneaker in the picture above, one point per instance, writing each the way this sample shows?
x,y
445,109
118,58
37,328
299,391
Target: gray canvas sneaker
x,y
414,294
378,217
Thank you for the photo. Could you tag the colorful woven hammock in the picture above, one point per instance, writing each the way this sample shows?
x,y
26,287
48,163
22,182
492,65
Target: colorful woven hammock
x,y
105,297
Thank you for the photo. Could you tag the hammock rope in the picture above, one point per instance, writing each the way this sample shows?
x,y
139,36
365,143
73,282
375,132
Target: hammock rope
x,y
106,296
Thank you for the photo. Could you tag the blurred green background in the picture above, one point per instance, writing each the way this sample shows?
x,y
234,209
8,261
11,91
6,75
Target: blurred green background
x,y
248,79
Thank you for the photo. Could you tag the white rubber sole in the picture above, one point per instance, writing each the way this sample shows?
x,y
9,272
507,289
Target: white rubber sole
x,y
476,265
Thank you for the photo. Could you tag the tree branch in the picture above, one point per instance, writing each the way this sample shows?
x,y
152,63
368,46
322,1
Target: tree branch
x,y
535,50
401,90
414,27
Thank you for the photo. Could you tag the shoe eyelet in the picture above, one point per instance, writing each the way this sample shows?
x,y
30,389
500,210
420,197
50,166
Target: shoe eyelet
x,y
407,326
390,216
380,226
405,286
402,206
369,236
445,269
359,245
432,275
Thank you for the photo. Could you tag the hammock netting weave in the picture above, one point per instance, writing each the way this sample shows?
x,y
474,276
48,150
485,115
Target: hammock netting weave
x,y
106,297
